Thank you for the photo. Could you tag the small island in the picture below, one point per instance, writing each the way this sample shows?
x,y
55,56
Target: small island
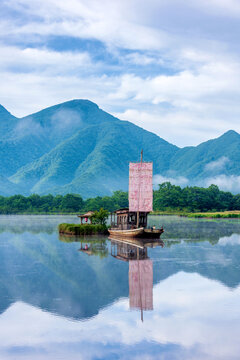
x,y
95,224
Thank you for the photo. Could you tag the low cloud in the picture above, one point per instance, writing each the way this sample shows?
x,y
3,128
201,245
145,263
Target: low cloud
x,y
179,180
27,126
224,182
217,165
63,120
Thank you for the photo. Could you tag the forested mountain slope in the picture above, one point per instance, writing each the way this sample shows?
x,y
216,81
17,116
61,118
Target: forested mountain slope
x,y
211,158
75,147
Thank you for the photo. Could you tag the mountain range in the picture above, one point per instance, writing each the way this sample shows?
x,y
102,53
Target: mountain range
x,y
75,147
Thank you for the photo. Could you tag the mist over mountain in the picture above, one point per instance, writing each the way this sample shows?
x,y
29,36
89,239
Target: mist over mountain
x,y
75,147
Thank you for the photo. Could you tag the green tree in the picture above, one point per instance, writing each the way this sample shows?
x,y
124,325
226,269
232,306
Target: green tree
x,y
72,202
100,217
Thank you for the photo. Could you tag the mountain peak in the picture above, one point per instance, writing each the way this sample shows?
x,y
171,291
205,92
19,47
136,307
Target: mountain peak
x,y
4,111
72,105
230,133
78,103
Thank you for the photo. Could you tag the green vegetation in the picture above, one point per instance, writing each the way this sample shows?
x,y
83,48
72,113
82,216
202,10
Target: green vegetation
x,y
216,215
85,229
100,217
67,204
98,226
171,198
77,148
97,245
214,157
168,199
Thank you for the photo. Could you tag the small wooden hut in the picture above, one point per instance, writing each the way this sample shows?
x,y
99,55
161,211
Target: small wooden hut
x,y
87,216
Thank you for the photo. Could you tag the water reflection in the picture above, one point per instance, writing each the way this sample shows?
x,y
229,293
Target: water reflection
x,y
140,275
57,302
141,285
89,245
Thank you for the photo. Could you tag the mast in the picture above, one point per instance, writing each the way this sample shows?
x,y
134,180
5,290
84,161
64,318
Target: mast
x,y
139,190
140,290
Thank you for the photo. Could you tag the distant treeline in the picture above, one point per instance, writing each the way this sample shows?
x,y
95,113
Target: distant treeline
x,y
194,199
67,204
168,197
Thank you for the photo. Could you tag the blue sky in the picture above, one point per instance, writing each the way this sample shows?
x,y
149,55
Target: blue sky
x,y
169,66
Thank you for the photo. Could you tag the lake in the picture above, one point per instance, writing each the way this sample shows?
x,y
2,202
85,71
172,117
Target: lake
x,y
180,301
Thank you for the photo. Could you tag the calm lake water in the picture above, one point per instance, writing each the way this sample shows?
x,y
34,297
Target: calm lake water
x,y
181,301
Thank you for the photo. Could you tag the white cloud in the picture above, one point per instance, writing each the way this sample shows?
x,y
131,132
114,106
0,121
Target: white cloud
x,y
110,22
196,70
180,127
178,180
187,89
223,7
42,60
225,182
63,120
142,59
184,104
27,127
43,90
217,165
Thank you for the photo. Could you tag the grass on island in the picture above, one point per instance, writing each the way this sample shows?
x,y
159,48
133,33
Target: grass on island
x,y
83,229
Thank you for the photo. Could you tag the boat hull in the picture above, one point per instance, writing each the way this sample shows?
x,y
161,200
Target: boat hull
x,y
133,233
152,233
137,233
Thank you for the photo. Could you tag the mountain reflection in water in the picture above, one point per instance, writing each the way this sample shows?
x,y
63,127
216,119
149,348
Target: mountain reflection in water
x,y
58,301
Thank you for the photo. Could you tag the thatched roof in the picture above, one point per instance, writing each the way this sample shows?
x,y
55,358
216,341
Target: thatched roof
x,y
87,214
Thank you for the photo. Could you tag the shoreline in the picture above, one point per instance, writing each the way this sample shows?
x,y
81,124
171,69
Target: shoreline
x,y
198,215
208,215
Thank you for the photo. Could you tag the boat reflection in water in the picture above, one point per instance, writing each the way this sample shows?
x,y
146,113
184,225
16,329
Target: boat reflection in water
x,y
140,270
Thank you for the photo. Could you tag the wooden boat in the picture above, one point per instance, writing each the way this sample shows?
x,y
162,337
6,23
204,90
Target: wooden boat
x,y
152,233
126,233
132,221
137,233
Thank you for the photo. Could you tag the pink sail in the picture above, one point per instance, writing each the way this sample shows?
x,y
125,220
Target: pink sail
x,y
140,187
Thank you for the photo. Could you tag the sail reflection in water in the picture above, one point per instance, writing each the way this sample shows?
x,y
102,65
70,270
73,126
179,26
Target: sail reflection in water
x,y
141,284
140,270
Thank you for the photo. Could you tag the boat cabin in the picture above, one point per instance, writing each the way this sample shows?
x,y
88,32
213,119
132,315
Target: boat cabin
x,y
128,219
126,251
